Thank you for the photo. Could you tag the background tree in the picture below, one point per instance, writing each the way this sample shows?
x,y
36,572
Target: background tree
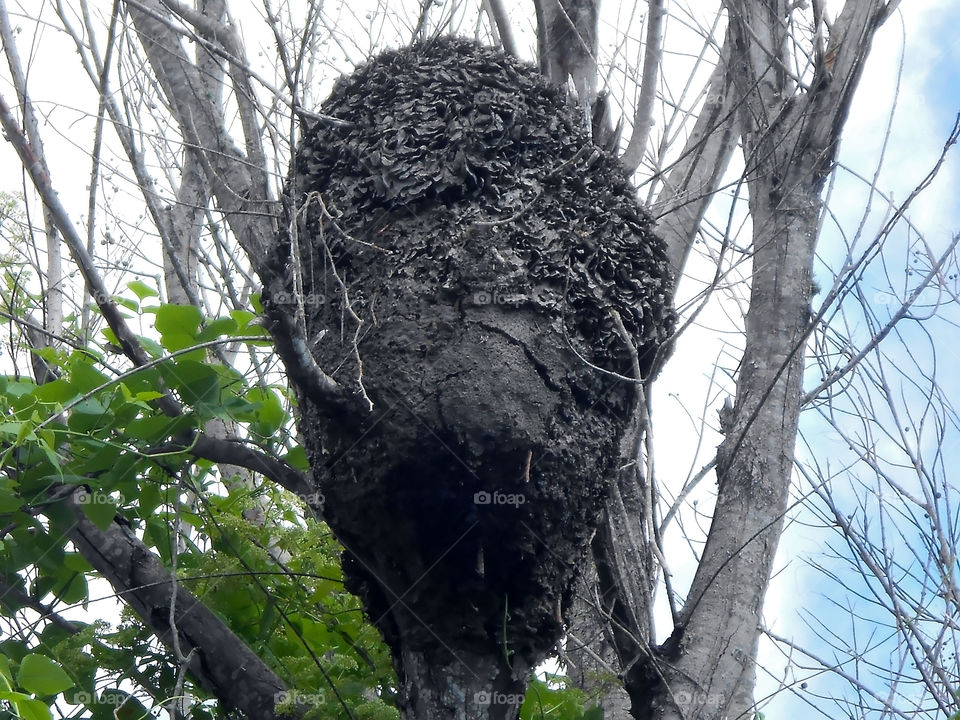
x,y
195,138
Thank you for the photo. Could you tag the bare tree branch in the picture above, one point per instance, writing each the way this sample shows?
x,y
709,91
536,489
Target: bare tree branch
x,y
41,179
53,300
643,115
501,21
689,186
238,181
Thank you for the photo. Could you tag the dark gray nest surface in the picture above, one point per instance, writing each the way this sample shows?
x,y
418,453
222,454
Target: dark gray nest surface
x,y
460,236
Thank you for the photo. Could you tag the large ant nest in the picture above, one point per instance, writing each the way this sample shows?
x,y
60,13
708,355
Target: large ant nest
x,y
470,263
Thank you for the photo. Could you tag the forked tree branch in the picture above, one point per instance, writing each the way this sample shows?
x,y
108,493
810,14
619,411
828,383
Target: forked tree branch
x,y
40,176
238,182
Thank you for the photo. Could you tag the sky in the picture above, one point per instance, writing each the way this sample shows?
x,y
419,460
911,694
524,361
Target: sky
x,y
923,100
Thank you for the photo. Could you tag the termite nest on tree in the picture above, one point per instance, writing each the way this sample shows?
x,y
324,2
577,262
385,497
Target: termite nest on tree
x,y
467,252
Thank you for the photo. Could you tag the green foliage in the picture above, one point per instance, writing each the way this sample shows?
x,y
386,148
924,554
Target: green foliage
x,y
552,699
37,678
102,430
41,675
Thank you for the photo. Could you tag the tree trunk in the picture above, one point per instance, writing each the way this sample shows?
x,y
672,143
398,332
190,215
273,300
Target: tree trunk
x,y
713,672
789,140
462,686
593,664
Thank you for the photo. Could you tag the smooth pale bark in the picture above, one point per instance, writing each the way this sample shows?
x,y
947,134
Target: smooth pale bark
x,y
712,673
789,138
691,181
53,291
567,43
643,116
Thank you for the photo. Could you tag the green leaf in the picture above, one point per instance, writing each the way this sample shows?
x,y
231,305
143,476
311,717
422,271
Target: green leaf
x,y
178,320
153,348
220,326
76,562
70,586
141,289
89,415
149,498
174,342
85,377
51,355
243,318
110,336
58,391
100,508
197,383
269,415
14,650
154,428
10,429
148,395
41,675
31,709
126,302
9,501
127,706
27,707
97,459
19,388
297,458
5,672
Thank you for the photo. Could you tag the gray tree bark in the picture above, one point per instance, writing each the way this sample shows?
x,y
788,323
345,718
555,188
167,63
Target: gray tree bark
x,y
220,661
789,137
567,43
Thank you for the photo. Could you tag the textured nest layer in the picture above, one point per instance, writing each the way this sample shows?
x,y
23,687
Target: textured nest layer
x,y
460,237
